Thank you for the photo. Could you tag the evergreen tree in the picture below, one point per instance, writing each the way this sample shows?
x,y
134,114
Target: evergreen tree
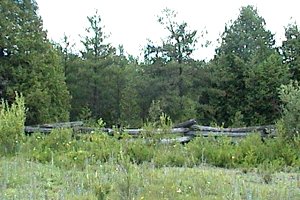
x,y
291,50
100,80
247,36
261,86
249,71
167,68
30,64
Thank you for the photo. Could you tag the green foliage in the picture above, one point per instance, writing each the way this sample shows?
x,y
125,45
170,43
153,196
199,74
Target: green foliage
x,y
244,35
12,120
31,65
213,151
141,151
263,103
130,101
290,95
155,111
102,80
238,120
291,51
94,39
159,128
101,123
47,148
249,71
23,179
248,153
178,46
62,149
169,69
86,115
174,155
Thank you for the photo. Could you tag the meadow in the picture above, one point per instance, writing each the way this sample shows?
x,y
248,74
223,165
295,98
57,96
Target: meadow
x,y
23,179
68,165
97,166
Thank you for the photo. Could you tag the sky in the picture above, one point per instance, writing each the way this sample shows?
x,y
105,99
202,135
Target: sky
x,y
132,22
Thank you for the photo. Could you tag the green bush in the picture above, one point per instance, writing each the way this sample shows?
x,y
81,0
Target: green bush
x,y
214,151
12,119
140,152
172,155
248,153
290,96
45,148
63,150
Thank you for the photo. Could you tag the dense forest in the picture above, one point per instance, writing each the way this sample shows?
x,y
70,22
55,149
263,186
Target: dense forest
x,y
240,86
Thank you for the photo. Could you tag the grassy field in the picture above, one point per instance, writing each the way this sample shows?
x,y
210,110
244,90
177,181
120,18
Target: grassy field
x,y
22,179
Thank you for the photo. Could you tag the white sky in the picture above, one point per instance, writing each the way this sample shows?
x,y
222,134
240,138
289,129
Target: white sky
x,y
132,22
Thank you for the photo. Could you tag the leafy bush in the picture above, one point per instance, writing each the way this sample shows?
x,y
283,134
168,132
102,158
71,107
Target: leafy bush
x,y
12,119
174,155
290,96
140,152
247,153
45,148
62,149
215,151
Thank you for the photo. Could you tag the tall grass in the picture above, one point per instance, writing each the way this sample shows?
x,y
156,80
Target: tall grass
x,y
12,119
21,179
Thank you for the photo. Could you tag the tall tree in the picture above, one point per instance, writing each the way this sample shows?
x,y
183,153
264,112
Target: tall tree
x,y
100,79
262,81
244,60
178,46
167,65
94,41
291,50
247,36
30,64
96,56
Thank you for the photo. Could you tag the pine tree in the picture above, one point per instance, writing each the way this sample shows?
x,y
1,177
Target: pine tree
x,y
168,65
249,71
291,50
30,64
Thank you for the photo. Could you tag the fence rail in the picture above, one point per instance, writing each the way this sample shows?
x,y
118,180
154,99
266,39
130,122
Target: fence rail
x,y
186,131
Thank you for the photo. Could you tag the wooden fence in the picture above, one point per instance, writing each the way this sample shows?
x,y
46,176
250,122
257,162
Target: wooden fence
x,y
185,131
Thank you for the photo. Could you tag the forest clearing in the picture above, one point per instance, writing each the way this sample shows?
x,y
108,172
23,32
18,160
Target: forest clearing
x,y
98,123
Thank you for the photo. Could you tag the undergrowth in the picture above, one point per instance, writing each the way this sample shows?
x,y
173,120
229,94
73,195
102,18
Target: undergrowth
x,y
63,150
99,166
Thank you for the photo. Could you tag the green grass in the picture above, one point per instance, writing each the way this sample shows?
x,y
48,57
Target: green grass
x,y
22,179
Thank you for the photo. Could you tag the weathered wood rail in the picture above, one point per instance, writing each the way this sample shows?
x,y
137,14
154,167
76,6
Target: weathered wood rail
x,y
186,131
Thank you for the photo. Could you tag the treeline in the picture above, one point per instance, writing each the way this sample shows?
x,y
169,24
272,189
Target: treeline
x,y
238,87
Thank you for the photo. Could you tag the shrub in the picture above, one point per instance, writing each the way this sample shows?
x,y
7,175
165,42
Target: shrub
x,y
215,151
290,96
45,148
249,151
140,152
12,119
174,155
63,150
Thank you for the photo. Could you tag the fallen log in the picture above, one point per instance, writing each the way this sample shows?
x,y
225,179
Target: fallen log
x,y
267,128
228,134
188,129
157,131
91,130
30,129
62,125
182,140
186,124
